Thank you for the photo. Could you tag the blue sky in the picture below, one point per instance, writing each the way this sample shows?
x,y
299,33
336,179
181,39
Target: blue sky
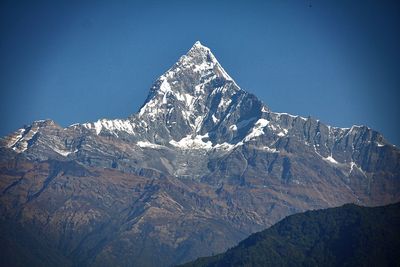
x,y
78,61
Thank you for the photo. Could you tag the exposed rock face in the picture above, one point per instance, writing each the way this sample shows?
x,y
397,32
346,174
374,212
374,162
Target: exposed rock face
x,y
199,167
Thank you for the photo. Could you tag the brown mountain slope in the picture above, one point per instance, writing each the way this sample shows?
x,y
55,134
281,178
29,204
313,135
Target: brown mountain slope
x,y
103,217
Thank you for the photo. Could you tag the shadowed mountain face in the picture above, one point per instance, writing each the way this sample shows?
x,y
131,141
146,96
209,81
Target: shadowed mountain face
x,y
200,166
346,236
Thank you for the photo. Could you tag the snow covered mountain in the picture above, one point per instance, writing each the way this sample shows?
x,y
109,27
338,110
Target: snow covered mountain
x,y
219,144
196,105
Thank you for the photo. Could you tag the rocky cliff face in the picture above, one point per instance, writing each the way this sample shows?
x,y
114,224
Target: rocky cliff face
x,y
199,167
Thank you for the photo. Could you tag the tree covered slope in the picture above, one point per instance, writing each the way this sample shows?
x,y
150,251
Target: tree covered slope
x,y
346,236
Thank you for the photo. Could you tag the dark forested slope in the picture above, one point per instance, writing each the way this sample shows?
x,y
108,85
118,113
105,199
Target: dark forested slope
x,y
346,236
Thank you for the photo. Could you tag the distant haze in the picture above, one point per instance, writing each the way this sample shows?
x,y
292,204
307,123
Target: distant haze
x,y
338,61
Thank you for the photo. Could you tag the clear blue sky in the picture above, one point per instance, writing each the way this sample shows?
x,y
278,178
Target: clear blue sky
x,y
77,61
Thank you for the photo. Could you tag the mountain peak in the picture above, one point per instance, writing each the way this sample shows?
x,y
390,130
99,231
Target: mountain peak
x,y
199,47
194,95
199,58
198,55
198,44
190,80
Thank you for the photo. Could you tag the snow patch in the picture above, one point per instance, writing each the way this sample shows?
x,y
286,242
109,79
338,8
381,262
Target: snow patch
x,y
190,142
224,103
272,127
285,114
281,134
224,146
380,144
112,126
197,123
62,152
203,66
165,86
20,143
257,129
279,114
13,140
271,150
354,165
145,144
215,120
98,127
330,159
197,142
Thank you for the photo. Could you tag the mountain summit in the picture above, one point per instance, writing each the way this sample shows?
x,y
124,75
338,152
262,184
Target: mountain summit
x,y
196,105
185,96
198,68
200,166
